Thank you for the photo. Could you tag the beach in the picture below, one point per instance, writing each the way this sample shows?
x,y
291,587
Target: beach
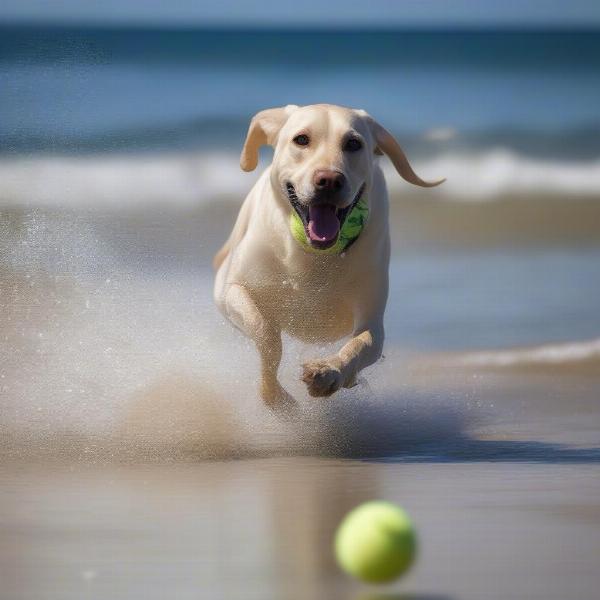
x,y
137,455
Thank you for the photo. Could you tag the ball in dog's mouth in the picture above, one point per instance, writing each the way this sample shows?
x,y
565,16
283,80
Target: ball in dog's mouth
x,y
322,222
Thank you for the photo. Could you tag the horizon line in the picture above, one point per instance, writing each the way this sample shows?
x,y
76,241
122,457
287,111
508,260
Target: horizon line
x,y
461,27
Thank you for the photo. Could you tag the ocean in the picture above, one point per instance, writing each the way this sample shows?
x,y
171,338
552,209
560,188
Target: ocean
x,y
135,89
515,109
137,459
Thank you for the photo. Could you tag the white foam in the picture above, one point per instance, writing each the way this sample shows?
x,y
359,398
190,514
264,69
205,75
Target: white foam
x,y
121,181
552,354
189,179
497,173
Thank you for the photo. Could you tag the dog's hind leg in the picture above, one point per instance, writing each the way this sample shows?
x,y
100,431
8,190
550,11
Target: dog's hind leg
x,y
245,315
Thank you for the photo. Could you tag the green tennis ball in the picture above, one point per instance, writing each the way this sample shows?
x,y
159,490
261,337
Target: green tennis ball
x,y
376,542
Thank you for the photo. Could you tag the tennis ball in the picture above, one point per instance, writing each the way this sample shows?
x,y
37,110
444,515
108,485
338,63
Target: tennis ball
x,y
376,542
351,229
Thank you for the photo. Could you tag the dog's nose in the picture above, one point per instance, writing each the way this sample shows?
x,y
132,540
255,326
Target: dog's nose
x,y
329,181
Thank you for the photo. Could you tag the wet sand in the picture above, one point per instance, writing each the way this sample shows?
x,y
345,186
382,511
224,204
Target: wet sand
x,y
263,529
500,471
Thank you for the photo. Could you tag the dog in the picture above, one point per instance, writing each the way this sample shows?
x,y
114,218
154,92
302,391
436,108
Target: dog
x,y
309,252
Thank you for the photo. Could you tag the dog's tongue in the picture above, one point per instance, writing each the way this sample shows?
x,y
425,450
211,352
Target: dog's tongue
x,y
323,225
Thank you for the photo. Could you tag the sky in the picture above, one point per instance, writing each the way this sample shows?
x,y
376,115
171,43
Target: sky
x,y
321,13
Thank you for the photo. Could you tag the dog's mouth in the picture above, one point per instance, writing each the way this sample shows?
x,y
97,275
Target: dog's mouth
x,y
322,222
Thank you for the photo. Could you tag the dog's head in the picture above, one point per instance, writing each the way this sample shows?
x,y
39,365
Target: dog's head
x,y
323,161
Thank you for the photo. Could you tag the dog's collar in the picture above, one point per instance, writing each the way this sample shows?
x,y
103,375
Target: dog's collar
x,y
348,234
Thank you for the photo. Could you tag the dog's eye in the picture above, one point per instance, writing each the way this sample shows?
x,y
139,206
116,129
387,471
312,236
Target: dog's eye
x,y
302,140
352,145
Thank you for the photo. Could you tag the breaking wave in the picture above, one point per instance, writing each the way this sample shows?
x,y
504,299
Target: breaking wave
x,y
569,355
189,179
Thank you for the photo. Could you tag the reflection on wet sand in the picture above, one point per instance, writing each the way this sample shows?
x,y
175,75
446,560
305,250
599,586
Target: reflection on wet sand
x,y
304,519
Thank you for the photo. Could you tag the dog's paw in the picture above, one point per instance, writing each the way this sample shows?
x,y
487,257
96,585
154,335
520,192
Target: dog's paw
x,y
321,377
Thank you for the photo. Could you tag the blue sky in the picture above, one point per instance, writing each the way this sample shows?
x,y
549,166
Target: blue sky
x,y
325,13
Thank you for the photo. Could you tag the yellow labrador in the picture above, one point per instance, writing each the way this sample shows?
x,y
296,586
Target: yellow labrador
x,y
292,262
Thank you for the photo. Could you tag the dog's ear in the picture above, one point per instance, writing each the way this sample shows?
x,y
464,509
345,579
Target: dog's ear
x,y
385,143
264,129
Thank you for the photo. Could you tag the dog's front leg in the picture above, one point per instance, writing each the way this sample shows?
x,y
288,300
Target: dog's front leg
x,y
246,316
326,376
